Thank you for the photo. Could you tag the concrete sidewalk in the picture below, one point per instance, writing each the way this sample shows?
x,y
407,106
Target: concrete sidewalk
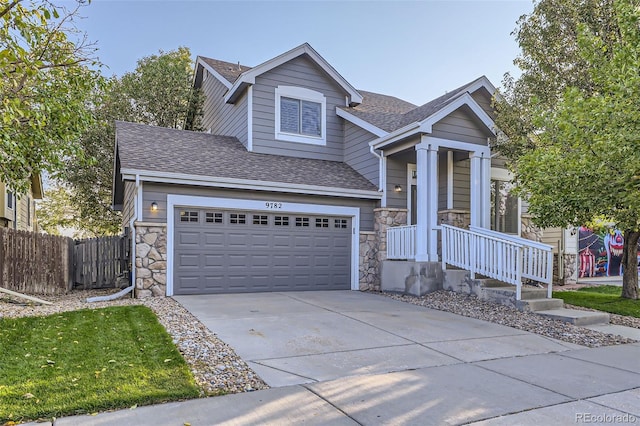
x,y
355,358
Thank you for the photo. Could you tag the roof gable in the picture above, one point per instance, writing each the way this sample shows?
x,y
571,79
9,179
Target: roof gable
x,y
248,77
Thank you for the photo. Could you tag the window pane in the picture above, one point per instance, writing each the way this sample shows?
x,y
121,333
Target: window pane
x,y
289,115
311,116
504,207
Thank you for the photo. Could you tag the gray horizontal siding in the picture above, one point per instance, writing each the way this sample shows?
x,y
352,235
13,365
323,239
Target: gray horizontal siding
x,y
158,193
483,99
128,202
461,183
220,117
299,72
396,175
357,153
461,126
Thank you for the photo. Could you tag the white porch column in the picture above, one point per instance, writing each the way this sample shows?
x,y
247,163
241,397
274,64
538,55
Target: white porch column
x,y
476,189
485,221
432,205
427,202
449,180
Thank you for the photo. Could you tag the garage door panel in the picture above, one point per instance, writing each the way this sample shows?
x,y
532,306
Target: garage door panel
x,y
322,261
262,254
189,238
281,241
213,239
188,260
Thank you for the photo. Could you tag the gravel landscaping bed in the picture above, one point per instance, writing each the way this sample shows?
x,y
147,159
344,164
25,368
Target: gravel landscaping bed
x,y
214,364
471,306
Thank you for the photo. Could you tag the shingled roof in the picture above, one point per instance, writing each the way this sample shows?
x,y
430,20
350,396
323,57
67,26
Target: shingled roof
x,y
158,149
389,113
228,70
382,111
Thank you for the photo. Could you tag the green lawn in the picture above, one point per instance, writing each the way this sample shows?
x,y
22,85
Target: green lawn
x,y
603,298
88,360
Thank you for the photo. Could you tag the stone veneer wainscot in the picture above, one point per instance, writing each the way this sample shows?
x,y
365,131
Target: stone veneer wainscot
x,y
151,259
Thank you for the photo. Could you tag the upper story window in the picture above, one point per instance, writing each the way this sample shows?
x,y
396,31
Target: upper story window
x,y
300,115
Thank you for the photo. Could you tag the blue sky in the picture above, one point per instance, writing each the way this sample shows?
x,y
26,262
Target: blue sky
x,y
415,50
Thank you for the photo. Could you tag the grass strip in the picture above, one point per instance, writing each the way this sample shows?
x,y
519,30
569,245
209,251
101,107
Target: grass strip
x,y
87,361
604,298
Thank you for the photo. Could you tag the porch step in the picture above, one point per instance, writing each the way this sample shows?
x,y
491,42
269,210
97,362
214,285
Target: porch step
x,y
576,317
536,305
532,299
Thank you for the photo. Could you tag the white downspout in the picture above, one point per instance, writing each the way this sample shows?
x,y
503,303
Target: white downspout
x,y
382,175
136,206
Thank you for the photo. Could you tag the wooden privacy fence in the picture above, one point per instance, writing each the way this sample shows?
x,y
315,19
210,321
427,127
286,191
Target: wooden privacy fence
x,y
35,263
98,262
47,264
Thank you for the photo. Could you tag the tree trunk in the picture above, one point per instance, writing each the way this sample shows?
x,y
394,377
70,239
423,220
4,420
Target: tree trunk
x,y
630,265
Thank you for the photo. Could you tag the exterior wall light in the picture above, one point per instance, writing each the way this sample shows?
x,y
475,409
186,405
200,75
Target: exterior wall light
x,y
398,188
154,207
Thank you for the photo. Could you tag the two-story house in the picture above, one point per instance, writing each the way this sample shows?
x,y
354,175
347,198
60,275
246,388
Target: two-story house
x,y
298,177
19,212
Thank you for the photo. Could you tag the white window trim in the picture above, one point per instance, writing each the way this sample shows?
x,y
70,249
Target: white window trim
x,y
305,95
174,200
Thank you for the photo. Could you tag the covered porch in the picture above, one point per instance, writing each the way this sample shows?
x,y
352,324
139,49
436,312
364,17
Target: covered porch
x,y
440,171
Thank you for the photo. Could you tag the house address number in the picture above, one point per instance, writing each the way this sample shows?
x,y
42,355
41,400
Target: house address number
x,y
273,205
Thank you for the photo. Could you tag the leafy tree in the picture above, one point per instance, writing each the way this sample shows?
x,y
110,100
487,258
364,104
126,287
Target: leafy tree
x,y
44,85
56,215
573,118
159,92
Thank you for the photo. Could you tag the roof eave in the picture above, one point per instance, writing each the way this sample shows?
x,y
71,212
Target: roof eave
x,y
397,135
363,124
248,184
212,71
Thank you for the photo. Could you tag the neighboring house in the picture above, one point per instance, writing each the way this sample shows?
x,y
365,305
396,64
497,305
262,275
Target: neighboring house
x,y
19,212
298,177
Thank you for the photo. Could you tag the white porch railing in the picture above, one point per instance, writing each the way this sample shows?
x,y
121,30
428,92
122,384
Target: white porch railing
x,y
401,242
537,258
481,251
481,254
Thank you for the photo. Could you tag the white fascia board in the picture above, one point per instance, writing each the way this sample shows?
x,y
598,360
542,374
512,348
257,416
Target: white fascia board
x,y
477,150
396,135
360,123
249,76
248,184
215,73
464,99
483,82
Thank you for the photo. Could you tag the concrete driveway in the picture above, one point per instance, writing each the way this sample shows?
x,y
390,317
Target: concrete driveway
x,y
308,337
354,358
